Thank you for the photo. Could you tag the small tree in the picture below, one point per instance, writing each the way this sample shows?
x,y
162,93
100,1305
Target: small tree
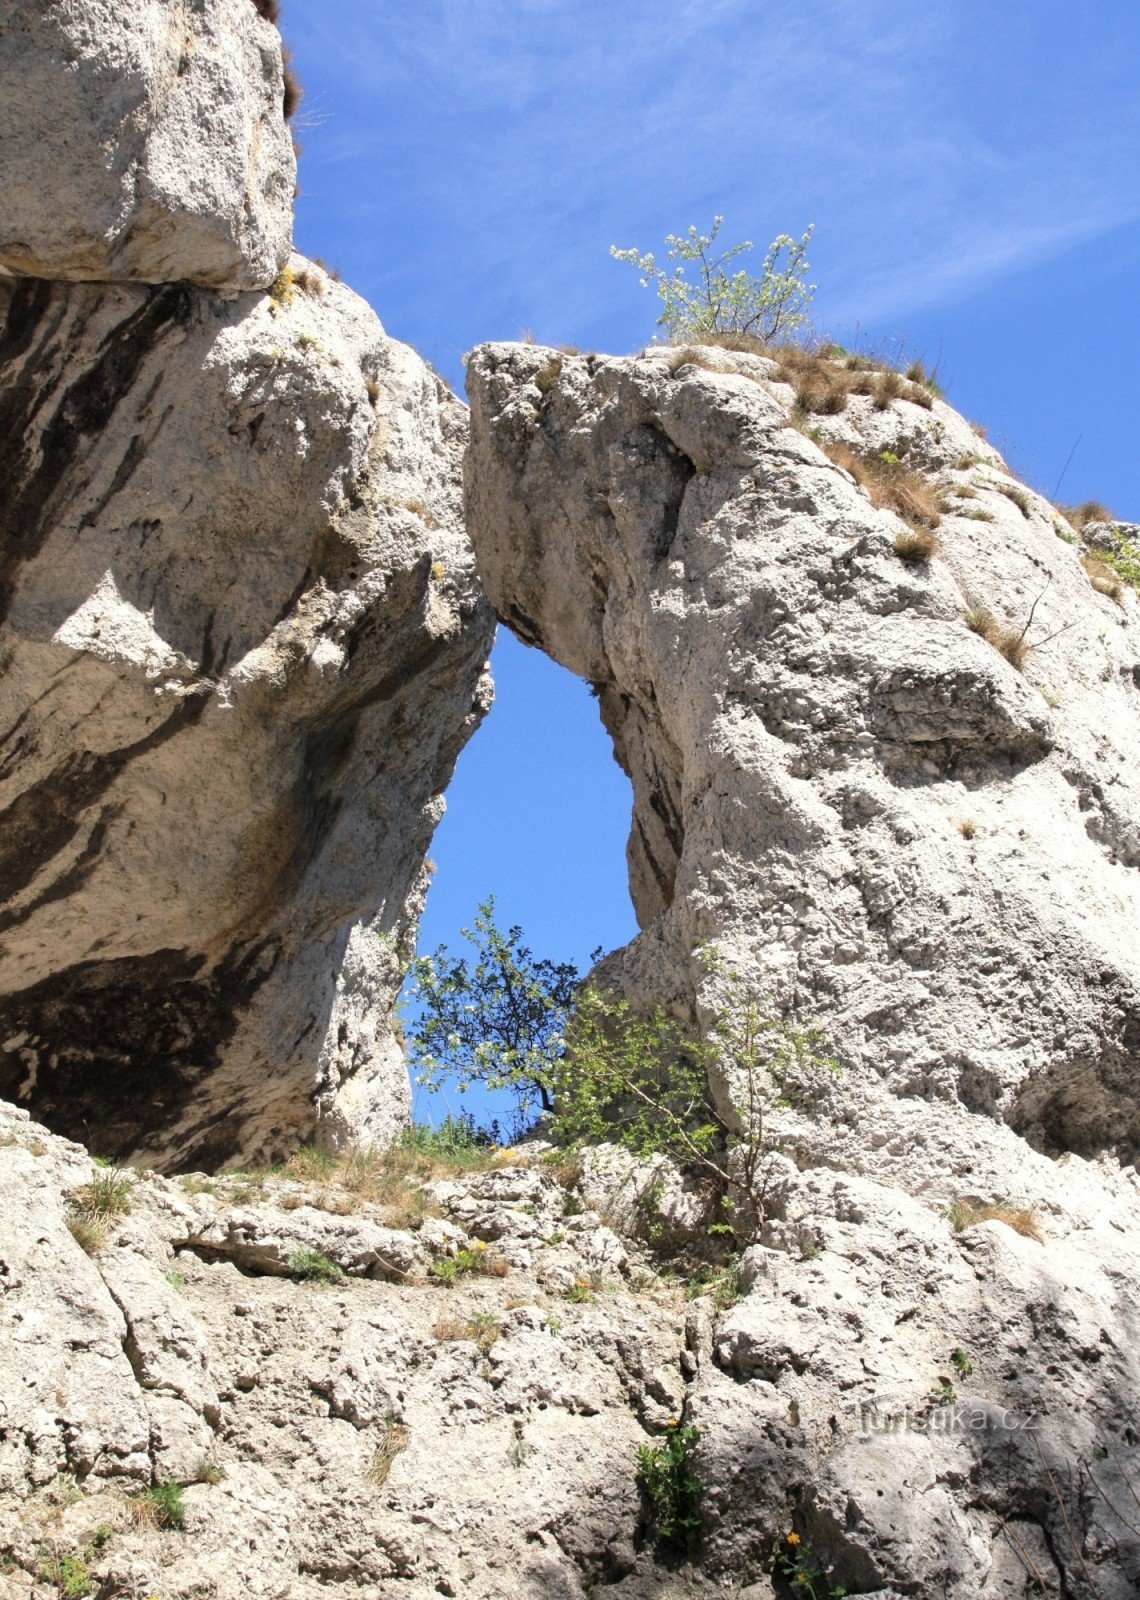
x,y
768,307
643,1082
498,1021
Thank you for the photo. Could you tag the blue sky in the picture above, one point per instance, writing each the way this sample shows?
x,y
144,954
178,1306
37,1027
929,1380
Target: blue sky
x,y
973,171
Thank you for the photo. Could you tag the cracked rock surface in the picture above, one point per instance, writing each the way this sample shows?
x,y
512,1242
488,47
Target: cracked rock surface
x,y
872,822
936,1410
243,647
181,1350
242,641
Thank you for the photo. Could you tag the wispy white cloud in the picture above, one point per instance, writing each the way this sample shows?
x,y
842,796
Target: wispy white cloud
x,y
935,147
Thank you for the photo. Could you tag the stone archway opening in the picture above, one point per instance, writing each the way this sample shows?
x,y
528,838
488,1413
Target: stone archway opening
x,y
538,815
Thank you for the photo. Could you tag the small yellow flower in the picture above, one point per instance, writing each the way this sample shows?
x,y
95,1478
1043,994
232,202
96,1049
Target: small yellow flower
x,y
480,1244
793,1538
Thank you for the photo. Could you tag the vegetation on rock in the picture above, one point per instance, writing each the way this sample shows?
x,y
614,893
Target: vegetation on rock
x,y
771,306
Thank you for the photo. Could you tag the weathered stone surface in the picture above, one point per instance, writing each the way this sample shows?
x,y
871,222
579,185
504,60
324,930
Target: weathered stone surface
x,y
867,811
519,1402
875,823
142,141
512,1413
243,646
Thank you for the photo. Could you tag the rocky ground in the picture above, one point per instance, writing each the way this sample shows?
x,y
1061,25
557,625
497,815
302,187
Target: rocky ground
x,y
393,1376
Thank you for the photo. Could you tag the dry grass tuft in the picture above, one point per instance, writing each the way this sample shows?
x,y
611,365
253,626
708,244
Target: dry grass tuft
x,y
821,399
1017,494
968,1212
547,376
891,487
568,1174
481,1328
393,1440
1078,517
292,93
889,387
916,545
309,282
1102,577
1009,642
967,827
88,1234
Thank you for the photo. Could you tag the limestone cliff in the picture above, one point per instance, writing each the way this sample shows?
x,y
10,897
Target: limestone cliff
x,y
883,729
241,637
840,781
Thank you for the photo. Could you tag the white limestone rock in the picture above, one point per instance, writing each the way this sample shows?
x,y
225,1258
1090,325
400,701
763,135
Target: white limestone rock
x,y
375,1435
143,142
876,824
243,646
869,815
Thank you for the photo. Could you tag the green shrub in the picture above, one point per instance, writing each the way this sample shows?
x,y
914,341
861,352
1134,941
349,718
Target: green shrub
x,y
767,307
671,1487
497,1021
643,1082
314,1267
163,1502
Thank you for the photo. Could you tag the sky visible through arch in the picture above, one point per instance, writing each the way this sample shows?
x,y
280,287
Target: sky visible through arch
x,y
973,171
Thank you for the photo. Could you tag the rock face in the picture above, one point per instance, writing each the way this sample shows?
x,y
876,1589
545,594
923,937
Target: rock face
x,y
243,648
849,802
241,636
383,1433
143,142
858,800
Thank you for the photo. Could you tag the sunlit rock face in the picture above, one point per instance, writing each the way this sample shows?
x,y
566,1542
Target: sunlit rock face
x,y
243,646
857,800
850,804
241,635
142,141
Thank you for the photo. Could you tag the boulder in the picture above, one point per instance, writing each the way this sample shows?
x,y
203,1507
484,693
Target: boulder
x,y
143,142
243,645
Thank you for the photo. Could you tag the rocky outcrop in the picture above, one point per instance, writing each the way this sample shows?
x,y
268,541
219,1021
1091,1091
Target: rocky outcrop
x,y
872,815
887,784
243,644
143,142
244,647
385,1432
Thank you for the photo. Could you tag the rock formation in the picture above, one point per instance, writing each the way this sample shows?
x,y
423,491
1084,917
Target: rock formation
x,y
143,143
874,816
241,635
880,708
384,1433
886,781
